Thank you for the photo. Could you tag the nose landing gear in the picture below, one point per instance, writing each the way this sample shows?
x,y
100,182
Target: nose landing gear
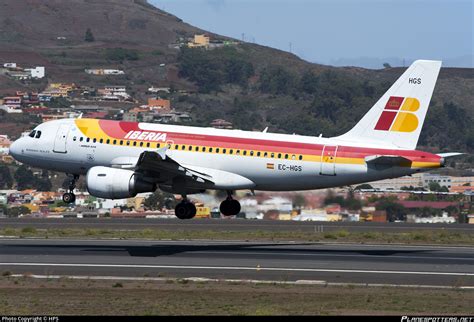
x,y
70,197
230,206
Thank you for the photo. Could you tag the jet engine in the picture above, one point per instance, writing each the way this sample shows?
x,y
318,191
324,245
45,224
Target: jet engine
x,y
112,183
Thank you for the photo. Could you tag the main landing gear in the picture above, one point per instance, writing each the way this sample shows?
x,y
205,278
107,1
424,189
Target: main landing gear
x,y
230,206
185,209
70,197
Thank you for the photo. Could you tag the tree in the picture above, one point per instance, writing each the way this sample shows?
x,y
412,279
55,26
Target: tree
x,y
17,211
299,201
386,65
24,178
89,37
160,199
395,211
6,180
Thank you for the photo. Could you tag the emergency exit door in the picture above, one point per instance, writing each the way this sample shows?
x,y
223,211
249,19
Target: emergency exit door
x,y
328,160
61,139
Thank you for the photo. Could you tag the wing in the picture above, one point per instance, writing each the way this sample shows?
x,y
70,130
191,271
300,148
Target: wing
x,y
163,169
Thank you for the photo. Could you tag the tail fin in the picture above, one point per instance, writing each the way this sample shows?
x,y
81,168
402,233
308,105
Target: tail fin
x,y
397,117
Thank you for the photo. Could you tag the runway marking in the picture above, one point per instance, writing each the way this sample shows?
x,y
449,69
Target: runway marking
x,y
246,281
241,268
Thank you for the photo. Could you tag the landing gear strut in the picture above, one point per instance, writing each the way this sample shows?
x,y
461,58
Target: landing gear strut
x,y
230,206
70,197
185,209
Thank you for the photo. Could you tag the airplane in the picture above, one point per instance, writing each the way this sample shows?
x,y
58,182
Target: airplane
x,y
121,159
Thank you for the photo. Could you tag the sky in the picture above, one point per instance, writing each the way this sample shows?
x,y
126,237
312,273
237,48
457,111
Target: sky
x,y
363,33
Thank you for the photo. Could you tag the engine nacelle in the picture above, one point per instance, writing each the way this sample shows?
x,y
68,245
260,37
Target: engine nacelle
x,y
112,183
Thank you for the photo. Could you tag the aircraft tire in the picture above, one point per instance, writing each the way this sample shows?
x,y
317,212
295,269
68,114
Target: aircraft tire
x,y
69,197
230,207
185,210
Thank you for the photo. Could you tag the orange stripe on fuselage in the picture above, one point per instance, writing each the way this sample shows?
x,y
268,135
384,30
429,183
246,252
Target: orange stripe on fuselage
x,y
107,129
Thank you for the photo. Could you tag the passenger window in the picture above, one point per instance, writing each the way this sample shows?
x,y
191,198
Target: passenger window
x,y
121,142
279,155
190,148
74,138
258,154
88,140
231,151
32,134
81,139
223,151
115,142
272,155
108,141
128,143
134,143
293,157
301,157
245,152
94,140
210,149
251,153
265,154
157,145
148,145
217,150
286,156
238,152
196,149
176,147
204,149
141,143
183,147
101,141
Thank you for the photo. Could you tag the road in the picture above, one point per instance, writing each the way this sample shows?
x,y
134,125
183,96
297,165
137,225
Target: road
x,y
323,263
226,225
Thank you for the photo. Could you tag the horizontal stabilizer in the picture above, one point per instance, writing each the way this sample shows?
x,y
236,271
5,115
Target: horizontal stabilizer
x,y
450,154
392,160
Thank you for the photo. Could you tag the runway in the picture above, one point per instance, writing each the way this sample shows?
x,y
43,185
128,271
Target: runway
x,y
226,225
321,263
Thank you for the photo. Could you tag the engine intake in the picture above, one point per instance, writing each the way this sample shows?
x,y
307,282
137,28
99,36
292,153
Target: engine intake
x,y
112,183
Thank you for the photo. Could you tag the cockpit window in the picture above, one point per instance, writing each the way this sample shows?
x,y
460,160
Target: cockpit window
x,y
38,134
32,134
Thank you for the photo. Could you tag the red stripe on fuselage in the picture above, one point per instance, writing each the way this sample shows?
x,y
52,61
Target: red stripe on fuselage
x,y
283,147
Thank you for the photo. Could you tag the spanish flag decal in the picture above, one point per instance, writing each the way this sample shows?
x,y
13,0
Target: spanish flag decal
x,y
270,166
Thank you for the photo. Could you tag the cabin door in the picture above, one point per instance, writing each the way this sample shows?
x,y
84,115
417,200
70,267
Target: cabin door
x,y
328,160
61,139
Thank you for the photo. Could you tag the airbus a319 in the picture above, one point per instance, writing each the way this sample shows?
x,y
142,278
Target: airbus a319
x,y
121,159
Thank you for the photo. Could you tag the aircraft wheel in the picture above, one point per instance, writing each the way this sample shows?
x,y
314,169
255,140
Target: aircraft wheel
x,y
230,207
185,210
69,197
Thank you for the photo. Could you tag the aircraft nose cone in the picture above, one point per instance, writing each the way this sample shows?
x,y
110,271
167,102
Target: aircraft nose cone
x,y
15,149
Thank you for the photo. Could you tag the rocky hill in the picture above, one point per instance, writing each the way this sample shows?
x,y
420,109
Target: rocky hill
x,y
250,85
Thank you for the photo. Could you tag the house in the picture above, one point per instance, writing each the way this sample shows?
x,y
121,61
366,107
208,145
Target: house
x,y
221,124
37,72
4,144
98,71
159,103
199,41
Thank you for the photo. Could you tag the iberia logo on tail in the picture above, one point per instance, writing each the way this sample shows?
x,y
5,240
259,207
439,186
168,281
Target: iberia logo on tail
x,y
399,115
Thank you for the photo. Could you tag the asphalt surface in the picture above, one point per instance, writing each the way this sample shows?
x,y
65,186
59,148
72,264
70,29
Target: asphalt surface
x,y
225,225
331,263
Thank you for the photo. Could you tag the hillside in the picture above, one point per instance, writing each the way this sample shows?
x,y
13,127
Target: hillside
x,y
250,85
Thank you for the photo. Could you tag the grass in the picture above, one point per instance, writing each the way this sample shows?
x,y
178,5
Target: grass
x,y
413,237
27,296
